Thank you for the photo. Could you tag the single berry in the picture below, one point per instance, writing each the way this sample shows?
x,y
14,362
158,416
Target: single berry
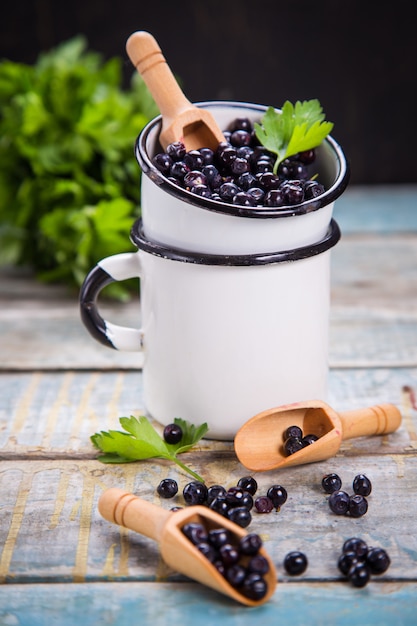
x,y
362,485
195,493
163,163
312,189
250,544
172,433
219,504
176,150
258,564
208,550
295,563
307,157
331,483
213,492
309,439
220,567
229,554
292,445
195,532
263,504
236,574
359,574
167,488
248,483
378,560
356,545
293,431
278,495
219,537
358,505
346,561
254,586
339,502
240,515
236,496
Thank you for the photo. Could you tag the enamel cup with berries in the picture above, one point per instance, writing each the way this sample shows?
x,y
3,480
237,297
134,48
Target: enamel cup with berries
x,y
179,218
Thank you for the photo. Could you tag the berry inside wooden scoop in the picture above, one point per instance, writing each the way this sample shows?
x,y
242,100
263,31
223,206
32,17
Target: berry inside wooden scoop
x,y
305,432
192,541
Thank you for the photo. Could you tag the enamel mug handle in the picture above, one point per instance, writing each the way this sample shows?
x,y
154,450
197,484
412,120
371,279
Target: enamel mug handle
x,y
109,270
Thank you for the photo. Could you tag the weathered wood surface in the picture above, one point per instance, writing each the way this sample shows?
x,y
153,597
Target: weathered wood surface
x,y
61,563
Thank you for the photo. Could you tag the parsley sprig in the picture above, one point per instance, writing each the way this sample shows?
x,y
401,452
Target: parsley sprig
x,y
294,129
141,441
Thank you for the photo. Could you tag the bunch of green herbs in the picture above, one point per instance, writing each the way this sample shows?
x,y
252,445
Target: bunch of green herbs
x,y
69,180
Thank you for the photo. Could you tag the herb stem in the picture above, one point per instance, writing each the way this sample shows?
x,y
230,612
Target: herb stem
x,y
188,470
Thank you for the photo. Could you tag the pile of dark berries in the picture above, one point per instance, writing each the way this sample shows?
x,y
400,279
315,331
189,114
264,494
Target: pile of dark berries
x,y
235,503
294,440
236,558
340,502
358,562
240,171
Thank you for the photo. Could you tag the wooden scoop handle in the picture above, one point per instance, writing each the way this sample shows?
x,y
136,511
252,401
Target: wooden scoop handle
x,y
375,420
124,508
147,57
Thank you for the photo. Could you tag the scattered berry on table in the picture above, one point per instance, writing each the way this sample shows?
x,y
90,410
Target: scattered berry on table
x,y
359,574
240,515
362,485
167,488
339,502
378,560
278,494
214,491
172,433
295,563
248,483
240,171
263,504
358,505
195,493
331,482
356,545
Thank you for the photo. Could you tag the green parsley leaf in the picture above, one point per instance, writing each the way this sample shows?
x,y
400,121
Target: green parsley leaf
x,y
141,441
295,128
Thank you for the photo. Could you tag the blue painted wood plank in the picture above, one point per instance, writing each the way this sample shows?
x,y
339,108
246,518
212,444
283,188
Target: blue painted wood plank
x,y
186,604
377,209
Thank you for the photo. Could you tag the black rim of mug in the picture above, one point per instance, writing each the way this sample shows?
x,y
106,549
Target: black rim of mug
x,y
138,238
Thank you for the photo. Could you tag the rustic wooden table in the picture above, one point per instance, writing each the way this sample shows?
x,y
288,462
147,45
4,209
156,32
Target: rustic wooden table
x,y
61,563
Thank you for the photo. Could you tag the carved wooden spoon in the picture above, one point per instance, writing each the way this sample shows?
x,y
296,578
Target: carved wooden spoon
x,y
124,508
259,442
181,120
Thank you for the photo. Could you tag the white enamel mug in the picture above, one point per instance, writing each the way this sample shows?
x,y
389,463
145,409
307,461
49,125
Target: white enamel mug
x,y
224,336
178,218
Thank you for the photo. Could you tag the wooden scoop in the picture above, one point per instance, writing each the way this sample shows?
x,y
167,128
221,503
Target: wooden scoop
x,y
124,508
181,120
259,442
